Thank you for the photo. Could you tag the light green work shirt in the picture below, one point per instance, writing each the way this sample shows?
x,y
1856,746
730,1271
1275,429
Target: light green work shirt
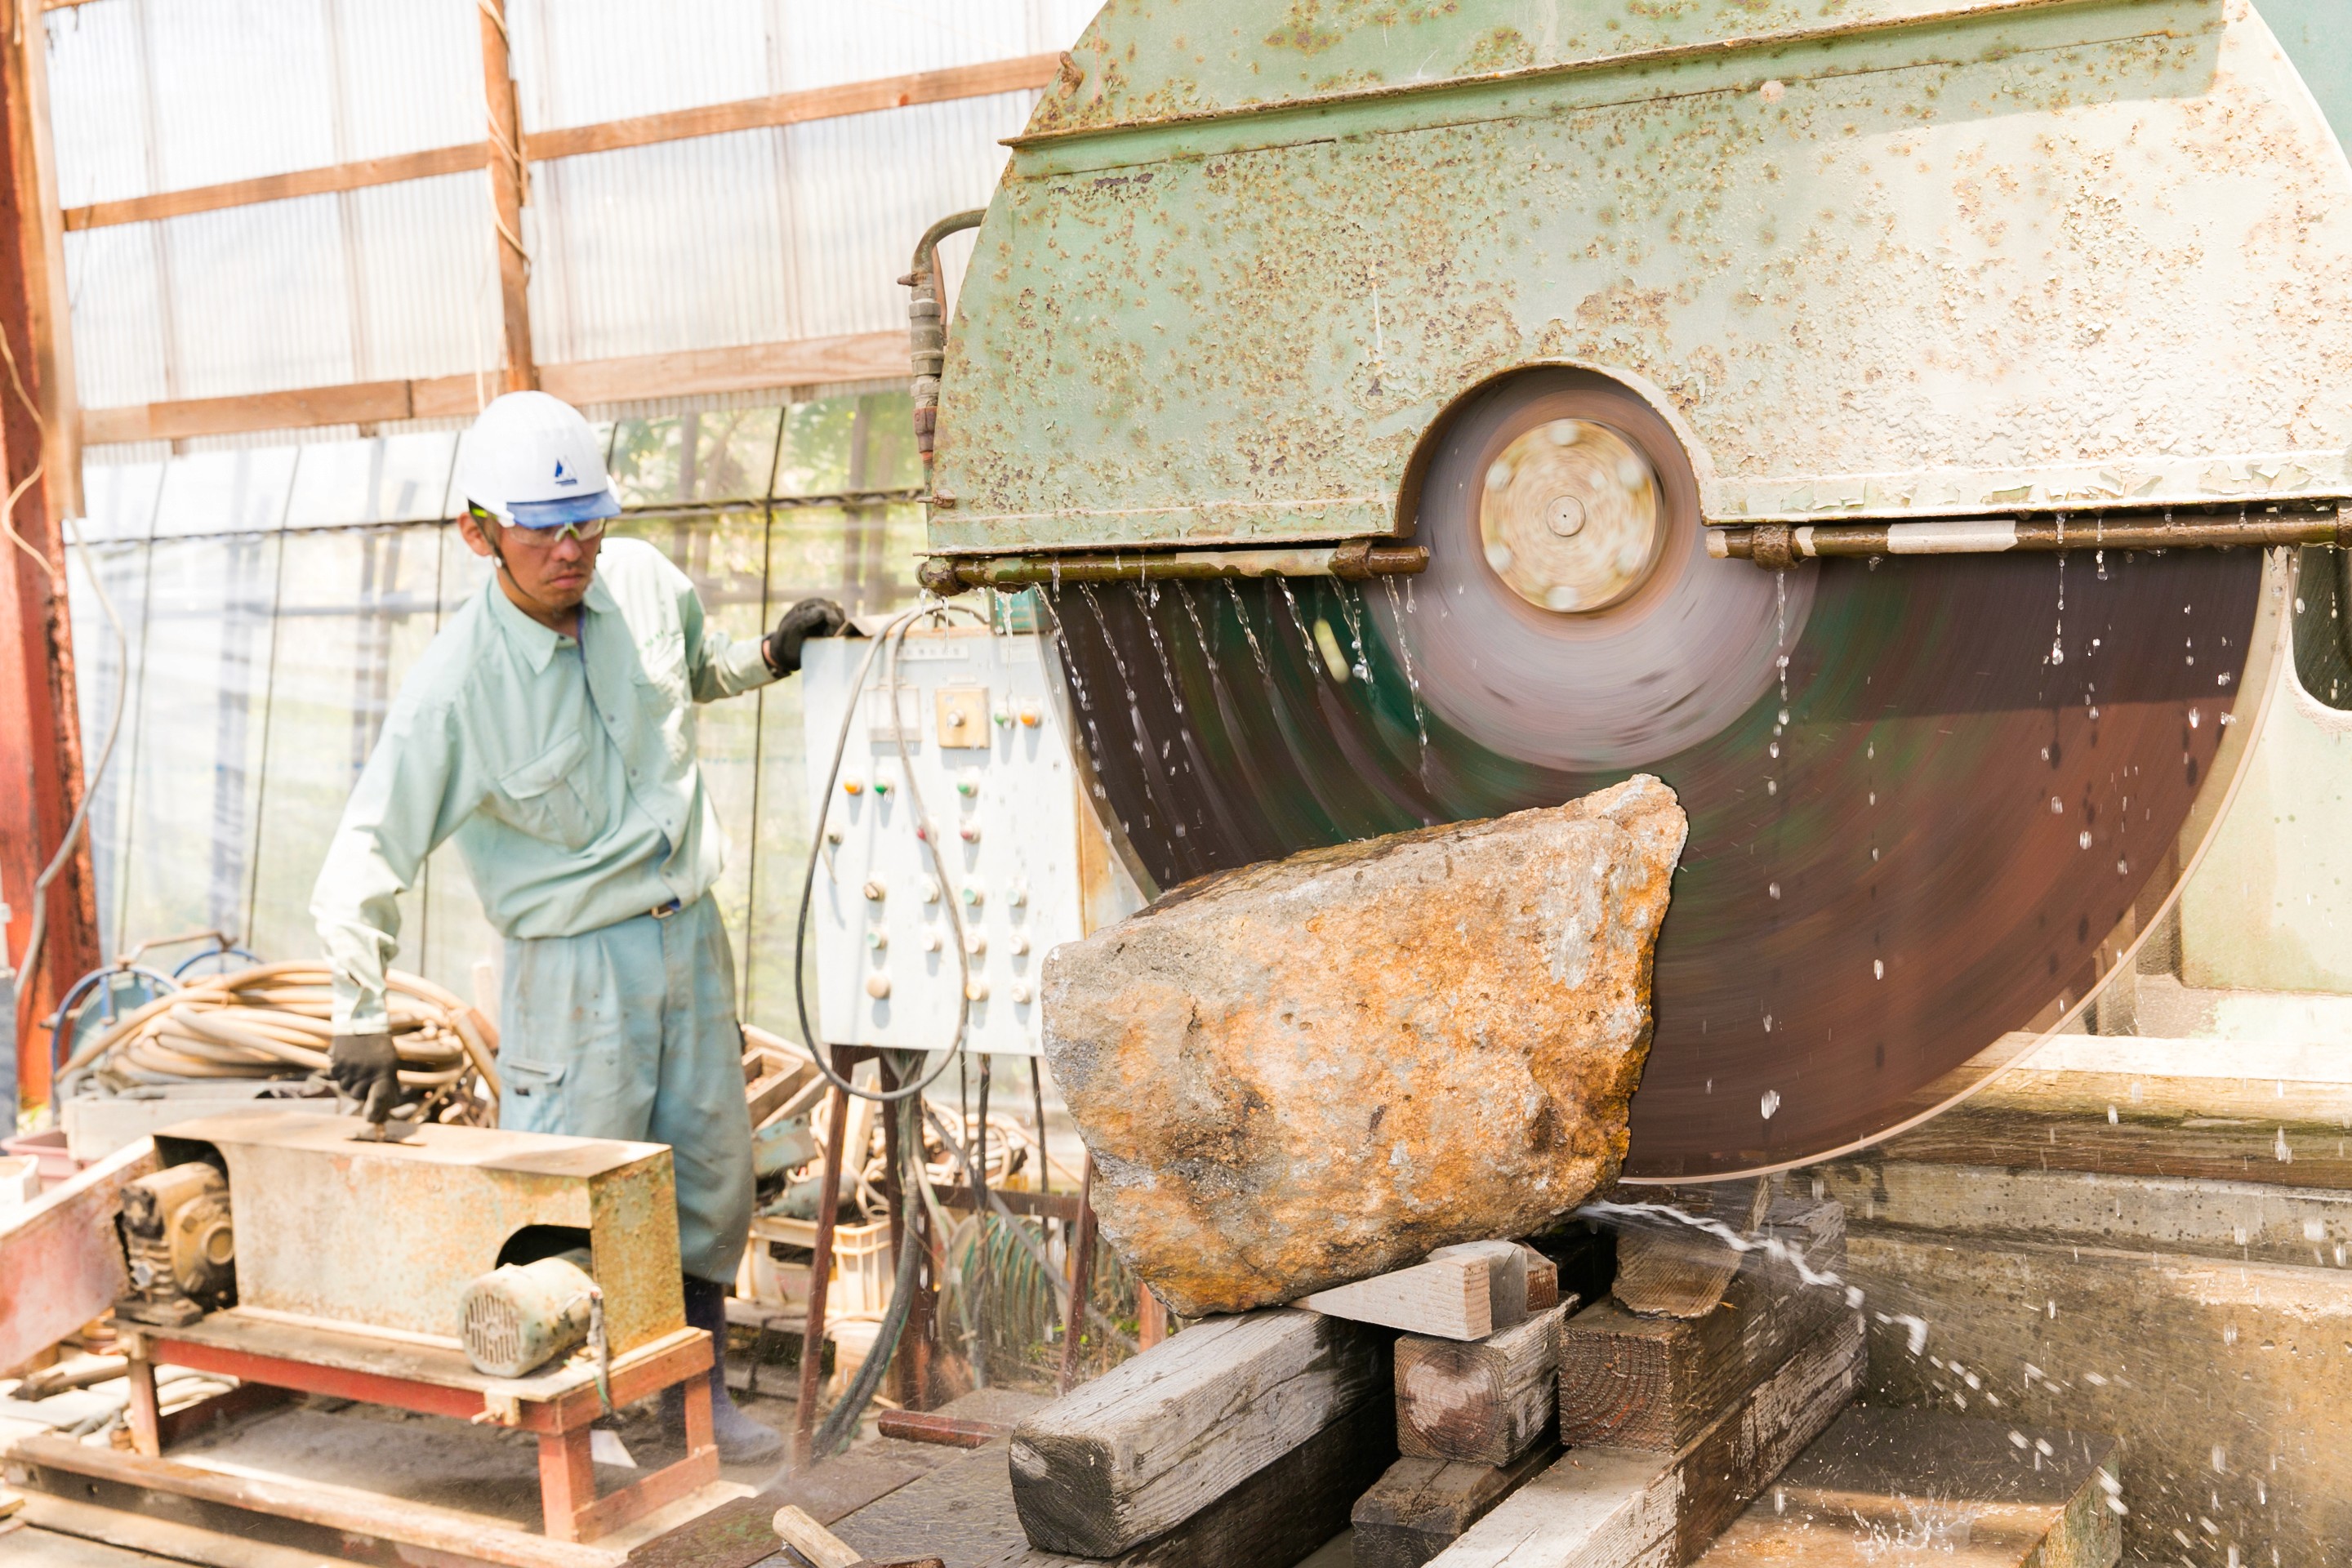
x,y
565,768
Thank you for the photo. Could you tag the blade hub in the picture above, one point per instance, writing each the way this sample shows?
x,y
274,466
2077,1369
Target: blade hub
x,y
1570,517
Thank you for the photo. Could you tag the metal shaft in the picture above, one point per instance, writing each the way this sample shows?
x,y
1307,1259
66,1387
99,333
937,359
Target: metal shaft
x,y
1781,545
1355,559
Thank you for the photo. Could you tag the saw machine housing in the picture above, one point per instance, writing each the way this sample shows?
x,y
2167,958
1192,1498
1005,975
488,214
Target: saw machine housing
x,y
1899,259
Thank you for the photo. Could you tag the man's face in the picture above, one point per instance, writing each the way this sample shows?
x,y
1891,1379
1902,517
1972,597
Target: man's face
x,y
552,566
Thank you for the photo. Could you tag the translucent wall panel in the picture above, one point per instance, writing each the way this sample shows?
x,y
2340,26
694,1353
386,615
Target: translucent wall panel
x,y
393,478
106,680
356,608
115,278
194,762
695,457
242,491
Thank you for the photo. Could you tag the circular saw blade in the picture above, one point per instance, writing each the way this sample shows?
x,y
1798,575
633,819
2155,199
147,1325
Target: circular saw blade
x,y
1918,845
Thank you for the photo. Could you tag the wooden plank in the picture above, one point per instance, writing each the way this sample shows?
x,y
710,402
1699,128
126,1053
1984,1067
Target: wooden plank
x,y
1633,1382
966,1513
807,361
1462,1292
60,1260
1487,1401
358,175
1880,1476
474,1536
1543,1280
1421,1507
1680,1271
1157,1439
1025,73
804,361
165,1538
812,1541
1628,1508
932,1427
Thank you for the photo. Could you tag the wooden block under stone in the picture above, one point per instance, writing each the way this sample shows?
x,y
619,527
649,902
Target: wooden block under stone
x,y
1422,1506
1463,1292
1680,1271
1543,1279
965,1510
1625,1507
1485,1401
1633,1382
1160,1437
1964,1494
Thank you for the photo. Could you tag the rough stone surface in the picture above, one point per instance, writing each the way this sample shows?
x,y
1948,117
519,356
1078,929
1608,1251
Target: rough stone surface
x,y
1317,1069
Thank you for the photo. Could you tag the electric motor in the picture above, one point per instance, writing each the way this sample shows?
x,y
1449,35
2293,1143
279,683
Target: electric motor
x,y
179,1243
521,1316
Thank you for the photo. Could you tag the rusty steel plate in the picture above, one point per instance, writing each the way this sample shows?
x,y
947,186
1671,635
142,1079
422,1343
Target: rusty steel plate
x,y
1914,848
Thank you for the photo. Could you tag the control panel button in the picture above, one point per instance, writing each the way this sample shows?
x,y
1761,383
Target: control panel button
x,y
976,943
962,713
930,890
968,833
1017,945
976,990
931,943
973,894
878,939
877,987
853,787
874,889
1020,992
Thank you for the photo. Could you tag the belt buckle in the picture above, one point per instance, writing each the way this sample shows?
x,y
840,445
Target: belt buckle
x,y
663,911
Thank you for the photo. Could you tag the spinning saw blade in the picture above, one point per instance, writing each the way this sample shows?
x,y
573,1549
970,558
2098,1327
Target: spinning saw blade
x,y
1932,801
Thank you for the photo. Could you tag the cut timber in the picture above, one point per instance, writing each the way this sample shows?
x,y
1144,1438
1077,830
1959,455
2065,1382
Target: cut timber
x,y
1962,1491
966,1513
1633,1382
60,1261
168,1539
1487,1401
812,1541
1463,1292
1681,1271
1147,1446
1422,1506
1623,1508
1543,1279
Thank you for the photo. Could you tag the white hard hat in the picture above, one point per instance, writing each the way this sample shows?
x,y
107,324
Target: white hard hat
x,y
531,461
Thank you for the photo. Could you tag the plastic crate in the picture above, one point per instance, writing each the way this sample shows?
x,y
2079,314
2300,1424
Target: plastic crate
x,y
860,1280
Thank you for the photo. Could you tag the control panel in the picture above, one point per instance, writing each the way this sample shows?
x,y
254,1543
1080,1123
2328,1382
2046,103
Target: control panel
x,y
1020,856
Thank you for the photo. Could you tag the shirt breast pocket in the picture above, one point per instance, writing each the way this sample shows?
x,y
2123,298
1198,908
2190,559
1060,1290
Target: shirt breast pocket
x,y
551,798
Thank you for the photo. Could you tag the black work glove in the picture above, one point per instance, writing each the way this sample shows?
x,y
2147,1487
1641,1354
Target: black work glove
x,y
809,618
366,1068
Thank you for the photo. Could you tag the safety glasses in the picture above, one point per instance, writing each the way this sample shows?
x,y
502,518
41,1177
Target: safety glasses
x,y
545,536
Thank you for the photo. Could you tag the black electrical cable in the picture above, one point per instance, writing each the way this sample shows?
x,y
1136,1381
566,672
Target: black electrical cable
x,y
841,1422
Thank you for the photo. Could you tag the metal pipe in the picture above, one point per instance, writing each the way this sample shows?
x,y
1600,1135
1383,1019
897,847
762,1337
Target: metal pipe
x,y
1355,560
1778,546
927,329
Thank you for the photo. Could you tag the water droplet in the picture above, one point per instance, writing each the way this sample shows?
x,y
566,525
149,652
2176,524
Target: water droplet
x,y
1771,787
1773,889
1784,715
2057,807
1773,750
2083,838
1771,1102
1878,969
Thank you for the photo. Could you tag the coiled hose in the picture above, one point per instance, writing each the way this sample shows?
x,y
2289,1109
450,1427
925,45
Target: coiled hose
x,y
274,1021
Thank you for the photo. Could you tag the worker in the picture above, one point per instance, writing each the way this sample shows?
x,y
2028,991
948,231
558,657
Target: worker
x,y
548,729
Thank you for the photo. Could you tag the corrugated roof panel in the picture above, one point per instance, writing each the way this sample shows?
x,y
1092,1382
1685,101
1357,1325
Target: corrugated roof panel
x,y
98,103
412,74
119,499
866,187
427,278
240,88
119,334
580,61
647,249
260,299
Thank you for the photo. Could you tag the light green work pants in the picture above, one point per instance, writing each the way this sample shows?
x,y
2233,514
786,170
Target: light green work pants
x,y
630,1032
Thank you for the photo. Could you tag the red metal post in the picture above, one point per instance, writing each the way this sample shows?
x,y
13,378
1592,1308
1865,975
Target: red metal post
x,y
40,739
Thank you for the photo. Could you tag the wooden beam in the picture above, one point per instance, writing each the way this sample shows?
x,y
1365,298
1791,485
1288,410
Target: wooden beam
x,y
1165,1434
755,368
1463,1292
1486,1401
353,177
1028,72
508,193
1421,1507
1024,73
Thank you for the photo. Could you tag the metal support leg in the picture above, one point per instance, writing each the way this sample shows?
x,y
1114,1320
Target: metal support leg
x,y
820,1267
1082,1279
